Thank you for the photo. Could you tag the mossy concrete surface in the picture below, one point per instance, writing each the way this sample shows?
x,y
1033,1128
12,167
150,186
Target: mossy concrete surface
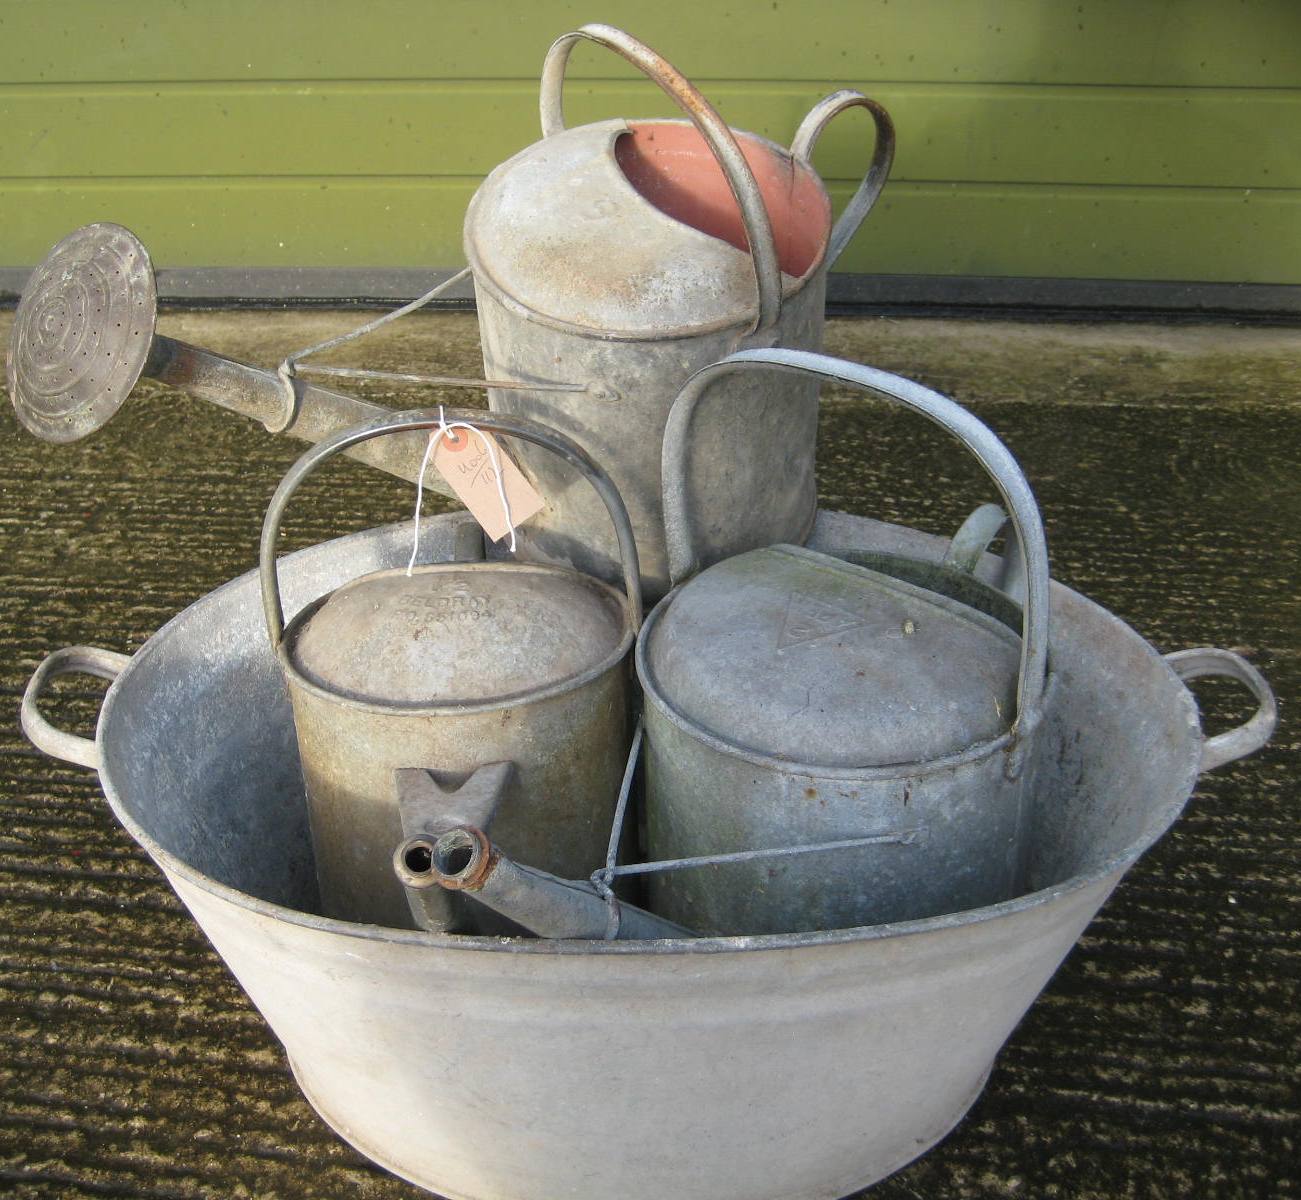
x,y
1162,1059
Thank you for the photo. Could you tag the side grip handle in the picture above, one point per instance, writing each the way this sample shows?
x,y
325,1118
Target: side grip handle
x,y
860,204
72,660
1247,738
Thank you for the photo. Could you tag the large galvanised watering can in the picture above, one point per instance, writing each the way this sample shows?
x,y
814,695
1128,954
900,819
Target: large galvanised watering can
x,y
453,693
793,698
626,255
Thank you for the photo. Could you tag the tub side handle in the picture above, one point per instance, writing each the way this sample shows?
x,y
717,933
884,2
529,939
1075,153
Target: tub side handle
x,y
72,660
1247,738
878,170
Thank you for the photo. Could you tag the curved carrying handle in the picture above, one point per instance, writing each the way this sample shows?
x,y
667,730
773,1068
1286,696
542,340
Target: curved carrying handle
x,y
1246,739
73,660
716,132
402,422
878,170
971,542
999,464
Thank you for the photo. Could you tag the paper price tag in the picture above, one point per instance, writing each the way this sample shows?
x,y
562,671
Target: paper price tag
x,y
463,458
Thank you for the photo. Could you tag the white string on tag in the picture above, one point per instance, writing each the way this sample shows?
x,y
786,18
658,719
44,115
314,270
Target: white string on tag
x,y
445,429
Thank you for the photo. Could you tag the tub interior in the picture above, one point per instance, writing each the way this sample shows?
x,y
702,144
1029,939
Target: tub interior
x,y
672,166
200,757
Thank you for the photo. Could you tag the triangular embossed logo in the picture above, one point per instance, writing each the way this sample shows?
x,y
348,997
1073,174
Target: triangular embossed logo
x,y
808,619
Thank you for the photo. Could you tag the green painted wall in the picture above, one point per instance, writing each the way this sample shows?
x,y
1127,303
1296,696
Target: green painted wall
x,y
1117,139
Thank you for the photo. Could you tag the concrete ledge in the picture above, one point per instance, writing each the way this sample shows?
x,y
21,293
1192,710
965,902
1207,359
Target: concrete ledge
x,y
1005,295
918,295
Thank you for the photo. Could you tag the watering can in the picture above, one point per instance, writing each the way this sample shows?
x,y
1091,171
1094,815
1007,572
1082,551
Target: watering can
x,y
793,698
628,254
455,692
84,335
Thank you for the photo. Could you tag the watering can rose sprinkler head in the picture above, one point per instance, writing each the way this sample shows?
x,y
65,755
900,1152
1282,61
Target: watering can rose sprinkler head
x,y
84,335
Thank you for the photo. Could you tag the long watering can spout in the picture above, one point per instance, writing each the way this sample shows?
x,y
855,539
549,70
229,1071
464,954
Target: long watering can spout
x,y
464,860
84,334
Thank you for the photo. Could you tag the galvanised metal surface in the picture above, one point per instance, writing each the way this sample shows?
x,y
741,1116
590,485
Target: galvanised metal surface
x,y
787,703
451,668
492,1068
464,860
792,698
84,335
617,252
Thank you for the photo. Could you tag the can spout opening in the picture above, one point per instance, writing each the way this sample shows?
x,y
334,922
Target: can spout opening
x,y
672,167
418,859
453,854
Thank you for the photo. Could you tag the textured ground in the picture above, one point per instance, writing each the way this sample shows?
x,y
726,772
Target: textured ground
x,y
1162,1060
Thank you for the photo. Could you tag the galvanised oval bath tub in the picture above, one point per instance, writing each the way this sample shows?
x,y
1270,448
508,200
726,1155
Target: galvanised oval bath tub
x,y
778,1067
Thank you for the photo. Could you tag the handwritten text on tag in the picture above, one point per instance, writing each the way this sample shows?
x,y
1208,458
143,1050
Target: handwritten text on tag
x,y
463,458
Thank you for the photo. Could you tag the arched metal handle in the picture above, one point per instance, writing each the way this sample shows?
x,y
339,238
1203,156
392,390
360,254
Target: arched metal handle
x,y
998,462
1247,738
878,171
402,422
73,660
971,543
716,132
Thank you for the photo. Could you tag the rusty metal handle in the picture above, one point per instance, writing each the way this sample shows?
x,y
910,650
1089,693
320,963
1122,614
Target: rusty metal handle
x,y
977,437
716,132
1247,738
878,170
402,422
73,660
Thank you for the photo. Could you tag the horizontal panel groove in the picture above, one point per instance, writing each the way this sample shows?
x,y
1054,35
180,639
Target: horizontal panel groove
x,y
528,85
259,180
418,182
925,229
981,40
862,294
862,80
991,134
